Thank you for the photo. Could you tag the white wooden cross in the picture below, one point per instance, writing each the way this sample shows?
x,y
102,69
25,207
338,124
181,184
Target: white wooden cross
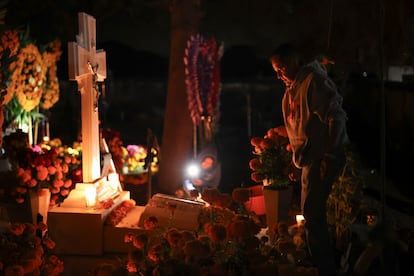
x,y
88,66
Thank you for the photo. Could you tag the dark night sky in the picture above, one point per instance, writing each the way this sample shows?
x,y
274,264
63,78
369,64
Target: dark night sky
x,y
359,35
347,30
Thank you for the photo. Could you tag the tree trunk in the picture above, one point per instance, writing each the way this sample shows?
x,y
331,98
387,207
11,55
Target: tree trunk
x,y
1,124
176,144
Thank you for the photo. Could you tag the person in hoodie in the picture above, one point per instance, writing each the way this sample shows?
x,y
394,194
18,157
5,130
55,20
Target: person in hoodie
x,y
209,174
316,126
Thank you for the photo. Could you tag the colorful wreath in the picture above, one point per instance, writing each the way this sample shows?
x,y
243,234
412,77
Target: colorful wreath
x,y
28,78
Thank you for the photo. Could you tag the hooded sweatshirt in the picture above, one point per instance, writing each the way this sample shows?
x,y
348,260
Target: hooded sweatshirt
x,y
313,115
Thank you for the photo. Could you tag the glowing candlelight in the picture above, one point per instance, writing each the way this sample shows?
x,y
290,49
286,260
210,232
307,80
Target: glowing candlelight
x,y
300,220
90,196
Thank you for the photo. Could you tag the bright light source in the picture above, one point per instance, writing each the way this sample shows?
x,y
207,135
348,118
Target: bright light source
x,y
300,220
90,196
193,170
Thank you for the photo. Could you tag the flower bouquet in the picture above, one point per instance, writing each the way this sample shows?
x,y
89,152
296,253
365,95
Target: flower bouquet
x,y
47,165
272,162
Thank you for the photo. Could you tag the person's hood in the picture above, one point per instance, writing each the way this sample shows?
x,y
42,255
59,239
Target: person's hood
x,y
209,150
313,67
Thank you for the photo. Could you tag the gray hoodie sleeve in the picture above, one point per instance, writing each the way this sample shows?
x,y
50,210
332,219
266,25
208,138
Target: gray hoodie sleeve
x,y
326,104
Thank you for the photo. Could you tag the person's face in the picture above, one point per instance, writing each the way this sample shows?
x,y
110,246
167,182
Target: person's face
x,y
285,69
207,163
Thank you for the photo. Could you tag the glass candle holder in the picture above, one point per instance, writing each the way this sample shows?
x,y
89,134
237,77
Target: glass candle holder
x,y
90,196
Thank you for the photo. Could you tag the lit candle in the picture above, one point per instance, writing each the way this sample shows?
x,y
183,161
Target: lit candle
x,y
300,220
90,196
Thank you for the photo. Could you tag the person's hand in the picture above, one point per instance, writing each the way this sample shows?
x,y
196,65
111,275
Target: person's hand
x,y
197,182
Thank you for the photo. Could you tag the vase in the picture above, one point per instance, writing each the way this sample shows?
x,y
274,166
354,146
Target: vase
x,y
277,204
256,202
39,204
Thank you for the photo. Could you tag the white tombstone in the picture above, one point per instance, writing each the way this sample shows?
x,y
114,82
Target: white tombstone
x,y
88,66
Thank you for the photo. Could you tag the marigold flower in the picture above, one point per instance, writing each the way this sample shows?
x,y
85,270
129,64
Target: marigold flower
x,y
256,141
52,170
68,159
254,164
257,177
150,222
174,237
58,183
54,190
131,266
29,229
217,233
14,270
17,229
49,243
27,175
42,173
64,192
59,175
267,144
42,226
68,183
129,237
65,168
140,241
32,183
196,249
21,189
240,195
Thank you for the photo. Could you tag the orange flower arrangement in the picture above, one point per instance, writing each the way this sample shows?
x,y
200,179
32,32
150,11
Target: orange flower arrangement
x,y
46,168
272,161
8,50
48,165
232,244
51,92
28,78
23,251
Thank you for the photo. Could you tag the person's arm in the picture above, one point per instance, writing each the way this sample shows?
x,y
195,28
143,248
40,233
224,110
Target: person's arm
x,y
327,105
